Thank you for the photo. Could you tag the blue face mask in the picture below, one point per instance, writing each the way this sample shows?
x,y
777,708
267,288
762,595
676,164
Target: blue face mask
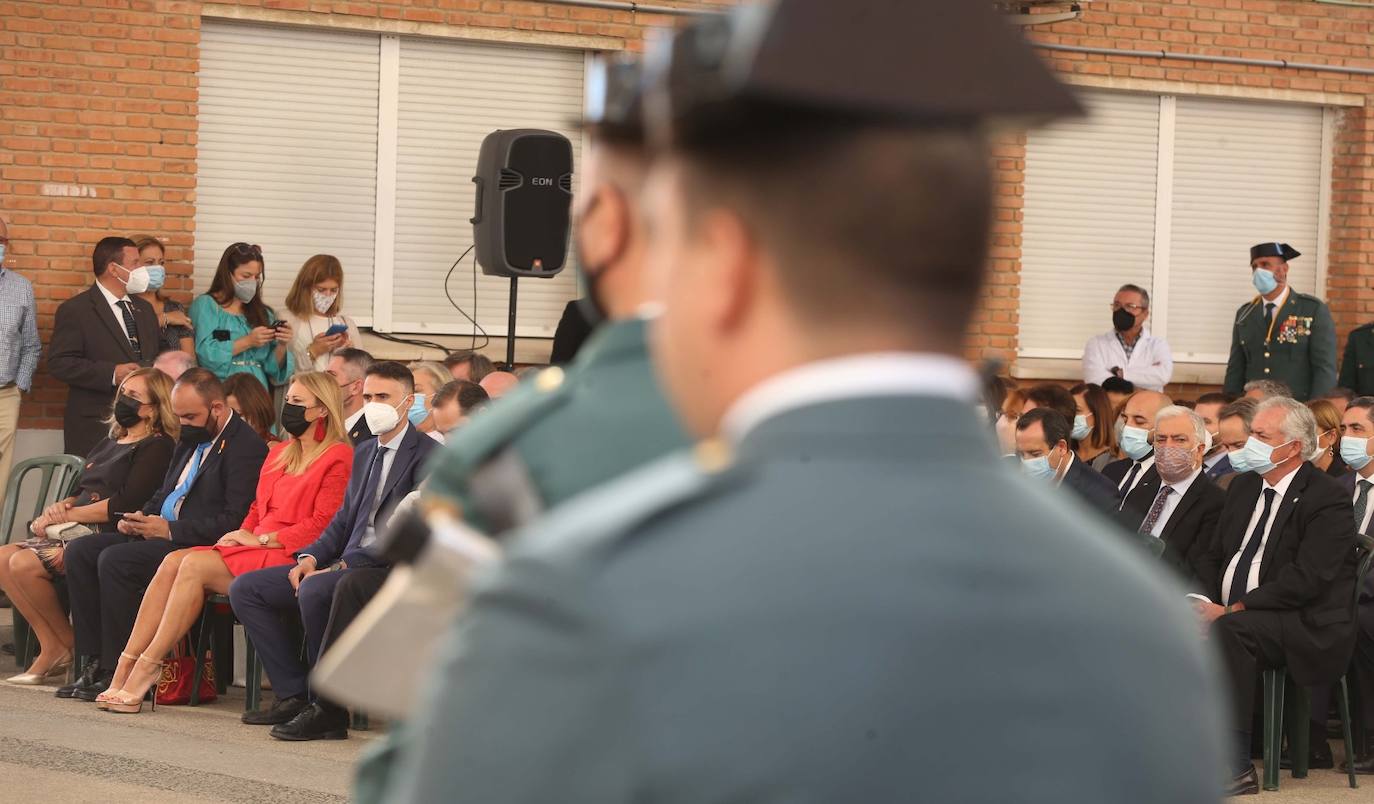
x,y
1081,428
1257,456
417,412
1355,452
2,252
1135,442
1264,281
157,275
1038,468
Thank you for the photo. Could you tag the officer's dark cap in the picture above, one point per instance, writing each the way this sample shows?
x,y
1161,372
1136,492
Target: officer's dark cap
x,y
615,100
936,63
1283,251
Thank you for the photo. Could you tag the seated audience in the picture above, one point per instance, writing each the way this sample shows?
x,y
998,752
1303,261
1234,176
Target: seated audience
x,y
1118,390
347,366
1340,397
498,383
1005,426
1216,463
1287,605
1328,456
385,470
1136,444
174,323
1260,390
1357,447
313,306
235,331
454,404
1042,444
1233,428
299,491
1092,425
429,378
1182,511
1053,396
468,365
174,363
205,493
120,475
245,396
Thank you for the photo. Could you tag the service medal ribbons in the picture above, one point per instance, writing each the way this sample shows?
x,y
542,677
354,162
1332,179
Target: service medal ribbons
x,y
1293,328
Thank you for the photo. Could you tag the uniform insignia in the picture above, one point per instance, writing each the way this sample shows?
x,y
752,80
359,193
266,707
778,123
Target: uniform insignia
x,y
1293,328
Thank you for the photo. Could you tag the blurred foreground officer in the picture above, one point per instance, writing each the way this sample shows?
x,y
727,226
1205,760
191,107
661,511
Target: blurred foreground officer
x,y
564,432
1281,334
819,610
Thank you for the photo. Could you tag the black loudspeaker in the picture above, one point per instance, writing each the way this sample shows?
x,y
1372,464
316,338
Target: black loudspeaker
x,y
524,203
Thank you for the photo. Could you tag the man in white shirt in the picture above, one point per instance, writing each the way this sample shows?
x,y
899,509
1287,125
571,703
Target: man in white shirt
x,y
1281,573
1137,442
1129,351
1357,448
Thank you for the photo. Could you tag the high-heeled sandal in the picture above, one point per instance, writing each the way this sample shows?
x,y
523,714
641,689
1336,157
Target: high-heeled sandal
x,y
122,704
57,672
102,701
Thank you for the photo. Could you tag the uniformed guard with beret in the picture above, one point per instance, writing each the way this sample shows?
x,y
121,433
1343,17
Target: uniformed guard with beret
x,y
569,429
1281,334
842,595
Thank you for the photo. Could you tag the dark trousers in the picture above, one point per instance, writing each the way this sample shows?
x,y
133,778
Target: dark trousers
x,y
107,574
1363,665
1250,642
355,590
262,598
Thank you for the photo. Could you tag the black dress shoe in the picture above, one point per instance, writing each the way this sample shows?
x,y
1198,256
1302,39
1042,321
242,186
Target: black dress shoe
x,y
281,712
99,684
1246,784
315,722
1363,765
1318,758
86,678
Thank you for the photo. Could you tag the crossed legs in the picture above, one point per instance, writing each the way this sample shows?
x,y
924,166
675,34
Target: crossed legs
x,y
30,587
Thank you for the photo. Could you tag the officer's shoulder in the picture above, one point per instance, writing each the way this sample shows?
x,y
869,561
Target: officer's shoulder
x,y
503,420
1366,328
607,514
1307,297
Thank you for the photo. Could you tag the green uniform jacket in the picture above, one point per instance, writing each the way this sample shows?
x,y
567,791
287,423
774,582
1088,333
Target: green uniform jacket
x,y
566,433
1300,351
866,607
1357,368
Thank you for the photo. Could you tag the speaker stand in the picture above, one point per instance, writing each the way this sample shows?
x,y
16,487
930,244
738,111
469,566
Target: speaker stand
x,y
510,327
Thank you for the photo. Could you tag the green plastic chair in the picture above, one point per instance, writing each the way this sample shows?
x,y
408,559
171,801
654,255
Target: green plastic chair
x,y
57,480
1299,737
210,619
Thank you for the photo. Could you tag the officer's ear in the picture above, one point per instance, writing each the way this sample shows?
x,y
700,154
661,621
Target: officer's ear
x,y
740,265
603,232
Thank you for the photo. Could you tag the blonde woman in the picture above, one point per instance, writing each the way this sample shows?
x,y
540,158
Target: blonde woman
x,y
313,307
122,473
300,489
429,377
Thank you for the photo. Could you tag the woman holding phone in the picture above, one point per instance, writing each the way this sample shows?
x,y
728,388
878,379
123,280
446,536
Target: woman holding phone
x,y
236,333
313,307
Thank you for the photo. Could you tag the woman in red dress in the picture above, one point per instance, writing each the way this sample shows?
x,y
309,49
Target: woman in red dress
x,y
301,487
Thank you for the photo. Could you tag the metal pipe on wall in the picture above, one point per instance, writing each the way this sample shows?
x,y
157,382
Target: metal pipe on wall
x,y
1167,55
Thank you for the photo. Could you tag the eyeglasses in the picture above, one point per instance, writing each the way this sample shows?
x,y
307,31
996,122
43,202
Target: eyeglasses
x,y
1133,309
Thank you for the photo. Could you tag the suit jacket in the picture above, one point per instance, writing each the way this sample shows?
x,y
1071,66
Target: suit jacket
x,y
1300,350
339,539
645,637
222,490
1357,366
1190,530
361,431
1094,489
87,343
1221,469
1307,571
1348,483
573,330
1116,471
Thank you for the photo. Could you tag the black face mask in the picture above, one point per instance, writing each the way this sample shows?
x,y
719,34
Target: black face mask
x,y
126,411
293,419
1122,320
196,434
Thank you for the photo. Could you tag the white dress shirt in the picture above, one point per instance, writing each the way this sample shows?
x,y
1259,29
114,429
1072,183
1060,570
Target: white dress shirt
x,y
1145,465
873,374
1171,502
1369,509
352,419
388,449
115,302
1150,366
1253,571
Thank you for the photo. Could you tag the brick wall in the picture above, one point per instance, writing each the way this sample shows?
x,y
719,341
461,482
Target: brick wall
x,y
98,120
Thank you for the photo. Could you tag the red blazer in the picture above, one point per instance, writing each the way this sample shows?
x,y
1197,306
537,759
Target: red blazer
x,y
298,507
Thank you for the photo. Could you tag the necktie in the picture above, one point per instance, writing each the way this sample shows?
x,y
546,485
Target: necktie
x,y
1268,318
1156,510
367,506
128,312
169,505
1125,486
1362,504
1240,577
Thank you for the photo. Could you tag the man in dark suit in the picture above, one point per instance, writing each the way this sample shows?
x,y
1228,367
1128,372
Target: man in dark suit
x,y
1357,448
574,328
1042,444
337,574
1280,576
99,336
1180,511
348,366
1216,463
208,489
1137,467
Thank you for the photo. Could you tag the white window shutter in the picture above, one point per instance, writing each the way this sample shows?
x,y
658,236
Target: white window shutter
x,y
451,95
1244,173
1089,220
288,153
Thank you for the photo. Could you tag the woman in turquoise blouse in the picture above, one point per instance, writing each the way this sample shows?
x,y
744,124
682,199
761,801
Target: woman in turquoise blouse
x,y
235,332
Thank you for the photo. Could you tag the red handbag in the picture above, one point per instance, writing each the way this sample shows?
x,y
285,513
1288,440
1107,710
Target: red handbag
x,y
174,688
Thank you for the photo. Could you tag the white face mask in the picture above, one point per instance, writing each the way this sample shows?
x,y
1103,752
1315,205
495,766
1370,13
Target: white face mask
x,y
323,301
381,417
137,281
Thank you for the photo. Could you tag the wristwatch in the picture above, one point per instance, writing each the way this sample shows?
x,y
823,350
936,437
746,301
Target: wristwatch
x,y
264,539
